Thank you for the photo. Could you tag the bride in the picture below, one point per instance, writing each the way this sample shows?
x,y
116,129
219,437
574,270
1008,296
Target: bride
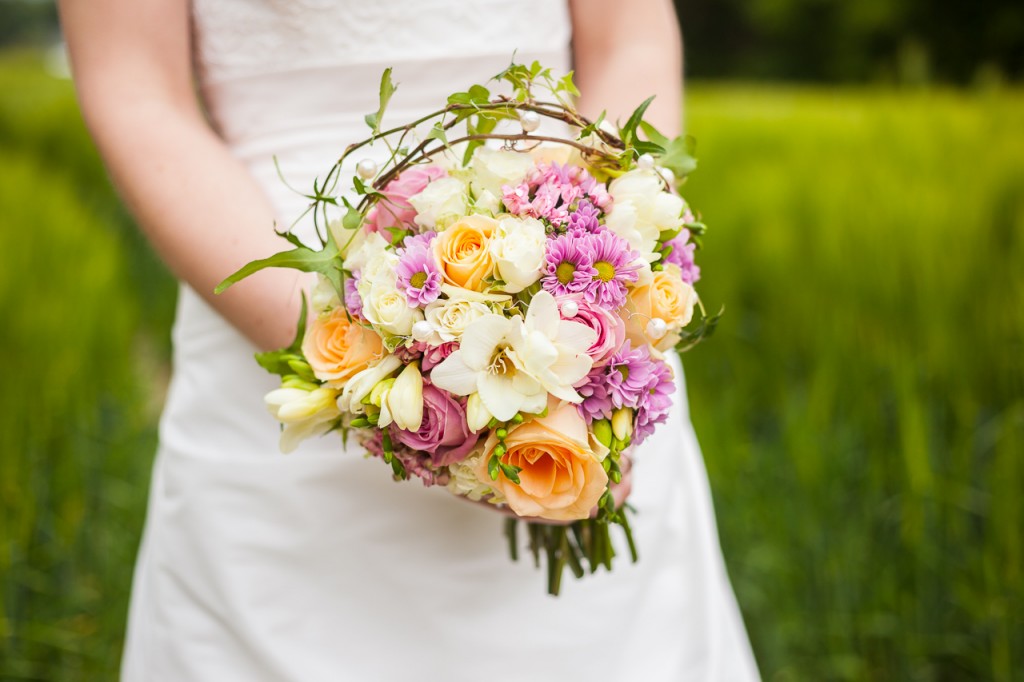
x,y
315,566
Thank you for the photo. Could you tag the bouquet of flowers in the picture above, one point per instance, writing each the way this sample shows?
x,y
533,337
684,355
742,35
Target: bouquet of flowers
x,y
493,319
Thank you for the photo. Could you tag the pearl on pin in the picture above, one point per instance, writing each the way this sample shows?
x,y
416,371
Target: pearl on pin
x,y
570,309
657,328
645,162
530,120
422,330
367,168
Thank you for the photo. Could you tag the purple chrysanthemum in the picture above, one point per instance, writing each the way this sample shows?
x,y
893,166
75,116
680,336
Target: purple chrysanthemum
x,y
418,241
596,402
655,402
614,265
568,267
584,219
627,375
680,252
418,276
353,303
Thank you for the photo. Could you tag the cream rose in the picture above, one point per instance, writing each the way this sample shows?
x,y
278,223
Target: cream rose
x,y
463,250
337,349
561,478
642,209
518,252
440,202
493,168
449,317
667,297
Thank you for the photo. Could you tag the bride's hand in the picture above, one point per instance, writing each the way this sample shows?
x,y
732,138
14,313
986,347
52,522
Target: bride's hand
x,y
620,492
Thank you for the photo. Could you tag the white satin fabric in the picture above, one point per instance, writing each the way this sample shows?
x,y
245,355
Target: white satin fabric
x,y
314,567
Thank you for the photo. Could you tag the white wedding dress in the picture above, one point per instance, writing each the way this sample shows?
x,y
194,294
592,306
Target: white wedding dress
x,y
314,566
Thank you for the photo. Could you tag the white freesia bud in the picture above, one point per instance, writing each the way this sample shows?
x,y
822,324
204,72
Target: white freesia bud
x,y
360,385
477,414
440,202
642,210
493,168
303,413
486,202
405,399
518,252
622,423
361,249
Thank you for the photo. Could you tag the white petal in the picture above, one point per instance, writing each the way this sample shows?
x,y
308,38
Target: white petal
x,y
454,376
481,337
577,336
499,396
543,314
405,400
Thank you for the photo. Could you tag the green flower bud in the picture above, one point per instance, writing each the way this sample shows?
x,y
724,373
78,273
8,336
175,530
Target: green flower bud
x,y
603,432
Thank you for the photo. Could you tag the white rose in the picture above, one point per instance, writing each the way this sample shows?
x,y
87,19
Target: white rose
x,y
440,202
323,297
450,317
487,203
493,168
518,252
642,210
363,247
386,308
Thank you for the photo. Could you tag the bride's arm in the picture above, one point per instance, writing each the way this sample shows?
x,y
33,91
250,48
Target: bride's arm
x,y
198,205
624,52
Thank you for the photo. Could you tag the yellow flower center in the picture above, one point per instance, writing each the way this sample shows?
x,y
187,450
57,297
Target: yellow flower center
x,y
565,272
605,271
418,280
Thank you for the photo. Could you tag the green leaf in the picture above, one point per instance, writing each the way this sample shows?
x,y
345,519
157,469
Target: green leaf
x,y
352,218
654,135
387,89
704,330
566,84
437,133
289,237
300,258
628,131
280,361
679,158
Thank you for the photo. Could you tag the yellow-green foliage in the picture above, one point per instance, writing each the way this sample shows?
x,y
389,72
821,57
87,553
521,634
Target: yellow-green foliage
x,y
862,405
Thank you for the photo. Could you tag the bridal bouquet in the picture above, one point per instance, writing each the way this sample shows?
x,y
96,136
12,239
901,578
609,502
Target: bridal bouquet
x,y
493,318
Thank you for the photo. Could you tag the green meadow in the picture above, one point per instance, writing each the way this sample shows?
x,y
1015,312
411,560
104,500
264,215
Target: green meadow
x,y
861,407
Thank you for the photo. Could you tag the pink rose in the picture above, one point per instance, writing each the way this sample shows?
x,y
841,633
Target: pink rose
x,y
435,355
394,210
610,328
443,433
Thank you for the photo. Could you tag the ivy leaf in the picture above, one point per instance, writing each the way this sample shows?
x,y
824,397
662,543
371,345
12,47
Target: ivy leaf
x,y
679,158
387,89
566,84
628,131
300,258
352,218
704,330
280,361
437,133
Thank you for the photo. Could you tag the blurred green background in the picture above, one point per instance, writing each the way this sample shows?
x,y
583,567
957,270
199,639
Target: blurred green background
x,y
861,408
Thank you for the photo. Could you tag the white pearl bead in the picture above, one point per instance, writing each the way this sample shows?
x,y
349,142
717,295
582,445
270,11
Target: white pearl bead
x,y
668,176
570,308
530,121
367,168
657,328
422,330
645,162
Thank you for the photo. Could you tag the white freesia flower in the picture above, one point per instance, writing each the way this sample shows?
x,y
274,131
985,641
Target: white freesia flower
x,y
555,350
363,247
513,363
449,317
402,403
360,385
518,252
641,210
304,412
493,168
440,202
486,202
323,297
487,363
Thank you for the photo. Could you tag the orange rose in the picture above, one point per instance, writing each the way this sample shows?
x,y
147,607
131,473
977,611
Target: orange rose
x,y
337,348
561,478
463,250
667,297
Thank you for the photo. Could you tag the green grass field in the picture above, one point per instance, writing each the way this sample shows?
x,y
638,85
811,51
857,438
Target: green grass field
x,y
861,407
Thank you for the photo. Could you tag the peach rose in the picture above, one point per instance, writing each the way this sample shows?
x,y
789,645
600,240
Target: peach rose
x,y
463,250
561,477
337,349
668,297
